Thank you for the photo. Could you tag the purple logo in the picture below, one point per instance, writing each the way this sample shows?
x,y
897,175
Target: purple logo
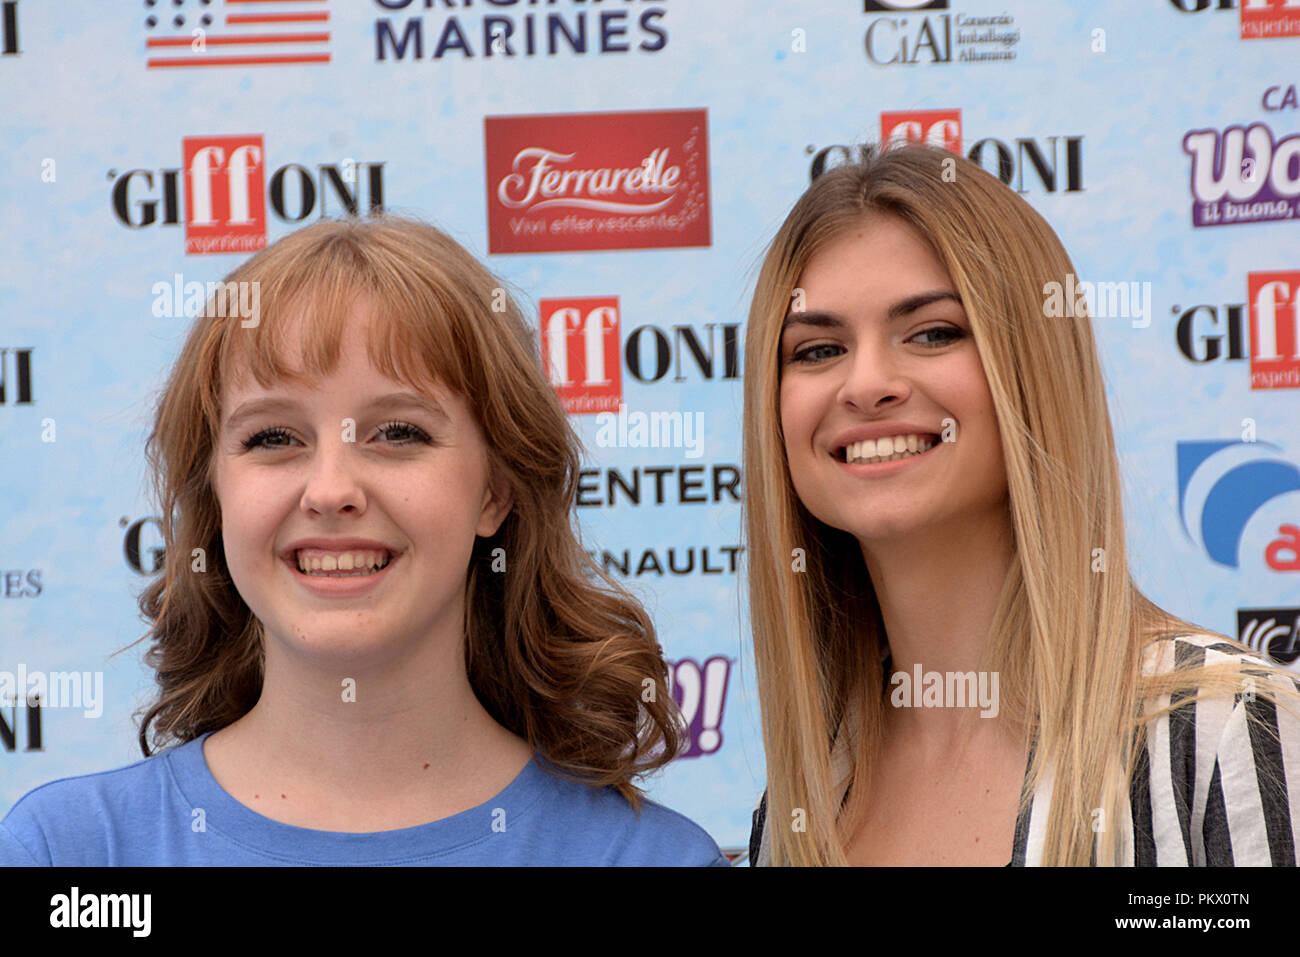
x,y
1243,175
701,692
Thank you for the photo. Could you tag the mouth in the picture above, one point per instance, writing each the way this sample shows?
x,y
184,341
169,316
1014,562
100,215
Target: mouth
x,y
886,449
354,563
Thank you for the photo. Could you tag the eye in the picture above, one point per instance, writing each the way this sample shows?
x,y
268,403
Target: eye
x,y
414,433
279,437
254,441
946,335
817,353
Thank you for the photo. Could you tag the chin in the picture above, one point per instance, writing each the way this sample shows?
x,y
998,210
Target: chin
x,y
877,534
878,529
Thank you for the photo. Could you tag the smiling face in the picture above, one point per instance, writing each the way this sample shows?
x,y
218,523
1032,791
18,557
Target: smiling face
x,y
412,476
883,349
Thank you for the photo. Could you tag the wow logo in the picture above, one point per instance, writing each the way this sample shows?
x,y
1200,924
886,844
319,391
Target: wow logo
x,y
701,692
1243,175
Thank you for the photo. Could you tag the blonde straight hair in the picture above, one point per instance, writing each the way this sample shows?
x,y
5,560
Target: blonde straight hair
x,y
1066,641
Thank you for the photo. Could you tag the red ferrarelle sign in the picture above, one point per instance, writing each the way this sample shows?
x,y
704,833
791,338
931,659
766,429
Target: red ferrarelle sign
x,y
588,181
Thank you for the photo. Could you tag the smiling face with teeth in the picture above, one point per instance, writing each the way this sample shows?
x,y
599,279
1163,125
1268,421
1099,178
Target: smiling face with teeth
x,y
322,484
878,367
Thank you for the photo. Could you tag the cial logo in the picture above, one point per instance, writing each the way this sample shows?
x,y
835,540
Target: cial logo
x,y
1221,485
586,181
1243,175
227,193
1274,330
280,33
905,33
1055,161
1273,632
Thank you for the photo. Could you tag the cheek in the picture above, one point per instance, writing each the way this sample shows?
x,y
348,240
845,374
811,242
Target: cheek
x,y
252,506
974,403
798,420
983,401
440,500
966,394
794,418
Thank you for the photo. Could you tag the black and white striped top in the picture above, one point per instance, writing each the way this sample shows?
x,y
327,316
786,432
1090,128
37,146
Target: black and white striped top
x,y
1210,789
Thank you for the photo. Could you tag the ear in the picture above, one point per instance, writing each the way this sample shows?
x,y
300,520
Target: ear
x,y
497,503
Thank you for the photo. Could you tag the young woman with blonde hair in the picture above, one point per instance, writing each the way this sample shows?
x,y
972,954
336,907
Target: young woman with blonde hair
x,y
377,639
932,488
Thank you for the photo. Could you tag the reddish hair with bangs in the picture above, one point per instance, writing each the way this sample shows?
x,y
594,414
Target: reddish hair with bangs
x,y
556,651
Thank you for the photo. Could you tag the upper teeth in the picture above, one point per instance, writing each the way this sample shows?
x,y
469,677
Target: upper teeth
x,y
322,561
887,448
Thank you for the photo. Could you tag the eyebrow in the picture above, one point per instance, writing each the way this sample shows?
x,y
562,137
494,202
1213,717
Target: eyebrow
x,y
906,306
393,400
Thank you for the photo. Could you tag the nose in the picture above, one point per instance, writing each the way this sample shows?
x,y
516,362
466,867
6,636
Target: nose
x,y
332,480
874,378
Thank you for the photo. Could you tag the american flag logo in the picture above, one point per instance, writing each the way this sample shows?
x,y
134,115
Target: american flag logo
x,y
182,33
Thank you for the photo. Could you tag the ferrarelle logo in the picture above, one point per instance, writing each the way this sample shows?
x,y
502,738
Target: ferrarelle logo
x,y
536,183
587,181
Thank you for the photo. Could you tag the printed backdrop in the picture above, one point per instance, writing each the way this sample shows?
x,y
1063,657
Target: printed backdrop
x,y
624,163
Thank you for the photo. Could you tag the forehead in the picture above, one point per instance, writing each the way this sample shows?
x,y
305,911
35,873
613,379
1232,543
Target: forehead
x,y
298,366
880,254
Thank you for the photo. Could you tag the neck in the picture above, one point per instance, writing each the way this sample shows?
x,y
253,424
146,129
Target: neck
x,y
368,728
938,592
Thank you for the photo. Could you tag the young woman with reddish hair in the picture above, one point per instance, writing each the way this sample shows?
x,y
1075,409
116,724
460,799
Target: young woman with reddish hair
x,y
377,639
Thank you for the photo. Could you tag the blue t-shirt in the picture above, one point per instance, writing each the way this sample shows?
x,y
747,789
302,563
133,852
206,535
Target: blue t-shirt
x,y
168,810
